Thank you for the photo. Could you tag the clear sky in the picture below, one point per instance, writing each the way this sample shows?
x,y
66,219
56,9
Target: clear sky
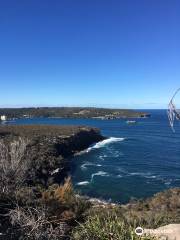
x,y
116,53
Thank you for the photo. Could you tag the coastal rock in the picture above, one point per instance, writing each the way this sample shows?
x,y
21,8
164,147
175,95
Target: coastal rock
x,y
49,148
170,232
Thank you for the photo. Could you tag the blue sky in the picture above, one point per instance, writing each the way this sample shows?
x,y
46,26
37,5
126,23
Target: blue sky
x,y
107,53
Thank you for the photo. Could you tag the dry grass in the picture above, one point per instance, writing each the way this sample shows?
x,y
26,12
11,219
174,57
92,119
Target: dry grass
x,y
33,223
159,210
64,203
107,224
62,193
13,165
53,215
119,222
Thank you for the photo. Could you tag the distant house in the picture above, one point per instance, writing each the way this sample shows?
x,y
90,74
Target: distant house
x,y
3,118
26,116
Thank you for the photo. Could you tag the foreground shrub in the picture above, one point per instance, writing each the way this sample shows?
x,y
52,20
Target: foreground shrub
x,y
33,223
63,203
13,164
52,216
161,209
106,225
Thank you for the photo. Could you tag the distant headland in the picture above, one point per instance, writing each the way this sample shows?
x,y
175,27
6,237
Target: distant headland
x,y
71,112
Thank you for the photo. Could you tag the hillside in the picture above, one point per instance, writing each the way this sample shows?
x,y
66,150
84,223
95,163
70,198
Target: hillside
x,y
71,112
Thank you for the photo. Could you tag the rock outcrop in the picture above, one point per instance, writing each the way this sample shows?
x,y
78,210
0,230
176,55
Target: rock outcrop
x,y
48,148
170,232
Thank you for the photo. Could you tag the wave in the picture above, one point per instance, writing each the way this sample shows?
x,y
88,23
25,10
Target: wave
x,y
104,143
82,183
85,165
102,157
122,170
119,176
100,173
148,175
100,144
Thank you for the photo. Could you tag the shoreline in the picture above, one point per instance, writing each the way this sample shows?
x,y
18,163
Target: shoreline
x,y
49,147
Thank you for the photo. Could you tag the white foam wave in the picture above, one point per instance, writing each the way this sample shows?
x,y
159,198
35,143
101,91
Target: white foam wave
x,y
102,157
119,176
82,183
100,173
85,165
145,174
122,170
100,144
105,142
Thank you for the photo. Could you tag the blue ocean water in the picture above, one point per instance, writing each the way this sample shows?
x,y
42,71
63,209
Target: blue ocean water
x,y
135,162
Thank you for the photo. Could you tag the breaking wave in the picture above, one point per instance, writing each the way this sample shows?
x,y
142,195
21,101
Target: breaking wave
x,y
104,143
82,183
85,165
100,144
100,173
142,174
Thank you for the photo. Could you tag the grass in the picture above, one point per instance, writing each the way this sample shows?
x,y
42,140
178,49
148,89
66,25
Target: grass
x,y
51,216
107,225
161,209
111,223
58,213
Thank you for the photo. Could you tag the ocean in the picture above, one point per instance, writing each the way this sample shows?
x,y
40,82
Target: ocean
x,y
135,161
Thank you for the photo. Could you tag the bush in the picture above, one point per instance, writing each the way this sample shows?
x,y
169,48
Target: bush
x,y
161,209
13,165
64,203
106,224
53,215
33,223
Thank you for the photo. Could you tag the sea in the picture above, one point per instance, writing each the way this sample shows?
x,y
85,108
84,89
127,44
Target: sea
x,y
134,162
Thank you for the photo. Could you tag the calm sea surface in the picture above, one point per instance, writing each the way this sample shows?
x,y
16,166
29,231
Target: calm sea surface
x,y
136,161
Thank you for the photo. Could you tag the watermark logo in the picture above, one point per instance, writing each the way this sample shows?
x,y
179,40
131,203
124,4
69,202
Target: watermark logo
x,y
139,231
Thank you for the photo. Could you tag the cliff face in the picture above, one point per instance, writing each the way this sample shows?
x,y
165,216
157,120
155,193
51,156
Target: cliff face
x,y
47,148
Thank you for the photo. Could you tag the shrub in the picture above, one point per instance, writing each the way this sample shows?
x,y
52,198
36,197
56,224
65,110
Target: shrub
x,y
62,193
161,209
106,224
33,224
52,216
63,203
13,165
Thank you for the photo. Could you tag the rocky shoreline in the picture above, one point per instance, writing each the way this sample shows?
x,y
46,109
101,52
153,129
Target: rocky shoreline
x,y
49,147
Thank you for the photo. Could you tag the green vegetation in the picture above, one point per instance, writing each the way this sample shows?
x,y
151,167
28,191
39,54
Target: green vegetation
x,y
118,222
107,224
161,209
70,112
37,213
40,211
43,130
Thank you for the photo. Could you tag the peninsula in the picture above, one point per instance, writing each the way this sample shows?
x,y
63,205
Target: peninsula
x,y
71,112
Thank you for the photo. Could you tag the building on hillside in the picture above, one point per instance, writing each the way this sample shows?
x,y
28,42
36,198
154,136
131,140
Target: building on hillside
x,y
3,118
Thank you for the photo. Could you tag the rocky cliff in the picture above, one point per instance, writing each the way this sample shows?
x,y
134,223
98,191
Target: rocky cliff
x,y
47,149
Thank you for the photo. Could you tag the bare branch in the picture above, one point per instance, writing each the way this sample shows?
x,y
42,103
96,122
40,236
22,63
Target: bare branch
x,y
172,112
14,163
